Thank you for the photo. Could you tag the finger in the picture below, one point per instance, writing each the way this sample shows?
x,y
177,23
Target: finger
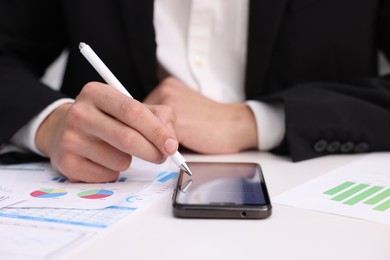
x,y
96,150
165,114
128,140
106,128
79,169
134,114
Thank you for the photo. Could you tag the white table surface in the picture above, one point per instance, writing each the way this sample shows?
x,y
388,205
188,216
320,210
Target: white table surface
x,y
290,233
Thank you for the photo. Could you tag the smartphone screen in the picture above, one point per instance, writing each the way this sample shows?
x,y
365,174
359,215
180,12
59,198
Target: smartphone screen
x,y
222,190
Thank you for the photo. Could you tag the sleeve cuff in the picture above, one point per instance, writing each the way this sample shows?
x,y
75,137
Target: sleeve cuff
x,y
270,121
25,137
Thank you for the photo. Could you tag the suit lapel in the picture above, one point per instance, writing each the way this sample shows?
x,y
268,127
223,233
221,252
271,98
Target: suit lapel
x,y
138,19
265,17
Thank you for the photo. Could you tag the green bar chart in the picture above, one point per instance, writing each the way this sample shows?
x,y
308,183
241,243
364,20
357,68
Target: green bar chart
x,y
360,189
352,193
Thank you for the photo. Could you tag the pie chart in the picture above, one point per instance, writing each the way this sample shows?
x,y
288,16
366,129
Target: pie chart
x,y
95,194
48,193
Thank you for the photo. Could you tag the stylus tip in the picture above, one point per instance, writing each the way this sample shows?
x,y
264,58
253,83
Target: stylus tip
x,y
186,169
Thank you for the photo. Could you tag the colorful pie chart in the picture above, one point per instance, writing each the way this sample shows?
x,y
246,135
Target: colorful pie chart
x,y
95,194
48,193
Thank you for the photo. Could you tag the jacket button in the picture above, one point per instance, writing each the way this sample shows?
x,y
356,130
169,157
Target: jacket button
x,y
333,146
347,147
320,146
361,147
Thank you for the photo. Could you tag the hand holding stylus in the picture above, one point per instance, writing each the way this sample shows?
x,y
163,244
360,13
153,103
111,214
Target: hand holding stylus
x,y
109,77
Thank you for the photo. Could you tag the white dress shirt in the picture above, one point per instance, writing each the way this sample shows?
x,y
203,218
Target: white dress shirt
x,y
202,43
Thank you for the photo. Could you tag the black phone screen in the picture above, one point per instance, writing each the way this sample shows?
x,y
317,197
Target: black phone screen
x,y
221,186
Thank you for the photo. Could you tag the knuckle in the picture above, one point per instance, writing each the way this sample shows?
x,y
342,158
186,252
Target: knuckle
x,y
160,133
169,81
65,164
85,92
166,90
167,110
66,141
76,115
171,114
88,88
133,109
126,137
165,113
91,92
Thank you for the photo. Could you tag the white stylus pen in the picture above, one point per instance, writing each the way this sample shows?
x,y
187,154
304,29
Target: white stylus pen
x,y
107,75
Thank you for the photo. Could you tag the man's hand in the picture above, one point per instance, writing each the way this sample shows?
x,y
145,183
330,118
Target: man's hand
x,y
93,139
203,125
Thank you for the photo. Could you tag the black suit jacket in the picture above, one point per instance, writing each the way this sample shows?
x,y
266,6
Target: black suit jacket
x,y
318,57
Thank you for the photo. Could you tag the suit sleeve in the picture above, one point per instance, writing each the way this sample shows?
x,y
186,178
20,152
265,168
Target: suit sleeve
x,y
30,39
329,118
335,118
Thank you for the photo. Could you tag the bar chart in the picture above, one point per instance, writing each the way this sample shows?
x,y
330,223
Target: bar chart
x,y
351,193
360,190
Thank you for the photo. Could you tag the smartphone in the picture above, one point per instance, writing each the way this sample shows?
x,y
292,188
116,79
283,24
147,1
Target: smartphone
x,y
222,190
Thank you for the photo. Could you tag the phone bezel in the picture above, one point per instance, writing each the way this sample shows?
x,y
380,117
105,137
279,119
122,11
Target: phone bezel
x,y
227,211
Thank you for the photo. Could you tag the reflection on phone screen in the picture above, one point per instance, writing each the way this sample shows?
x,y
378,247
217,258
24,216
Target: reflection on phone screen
x,y
222,184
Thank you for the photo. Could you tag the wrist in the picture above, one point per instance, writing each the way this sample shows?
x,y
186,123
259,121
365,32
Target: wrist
x,y
244,128
48,129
